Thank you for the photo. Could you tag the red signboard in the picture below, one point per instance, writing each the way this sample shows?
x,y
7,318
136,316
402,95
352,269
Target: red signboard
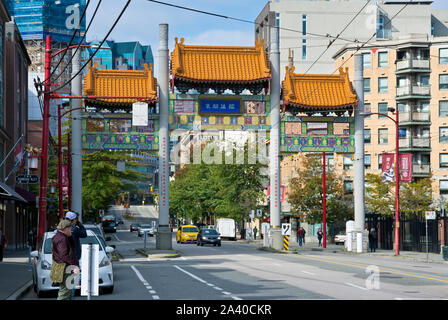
x,y
388,172
282,192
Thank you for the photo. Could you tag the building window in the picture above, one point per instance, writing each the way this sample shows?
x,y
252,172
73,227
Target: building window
x,y
382,60
432,29
277,19
382,108
443,135
329,159
443,56
348,186
443,108
424,80
443,160
382,85
348,163
443,82
367,136
443,186
383,136
303,49
367,109
366,59
380,161
367,161
304,24
366,85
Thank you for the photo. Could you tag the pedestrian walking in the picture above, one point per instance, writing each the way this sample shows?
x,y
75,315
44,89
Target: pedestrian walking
x,y
255,233
64,259
78,231
320,235
372,239
300,236
3,243
303,236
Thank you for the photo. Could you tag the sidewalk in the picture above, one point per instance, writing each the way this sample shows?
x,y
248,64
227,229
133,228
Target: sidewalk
x,y
15,276
340,249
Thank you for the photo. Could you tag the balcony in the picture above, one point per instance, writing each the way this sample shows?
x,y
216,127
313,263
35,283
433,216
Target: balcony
x,y
423,169
415,143
413,91
414,117
412,65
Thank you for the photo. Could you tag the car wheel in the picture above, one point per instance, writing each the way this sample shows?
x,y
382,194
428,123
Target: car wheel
x,y
40,294
34,285
202,244
108,289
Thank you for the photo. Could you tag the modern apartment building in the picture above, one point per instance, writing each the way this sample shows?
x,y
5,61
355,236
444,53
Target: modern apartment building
x,y
410,74
307,27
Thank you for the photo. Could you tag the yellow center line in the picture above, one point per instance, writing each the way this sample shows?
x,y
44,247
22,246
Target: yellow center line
x,y
384,269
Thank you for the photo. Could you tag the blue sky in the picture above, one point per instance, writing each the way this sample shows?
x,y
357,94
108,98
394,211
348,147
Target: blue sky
x,y
142,18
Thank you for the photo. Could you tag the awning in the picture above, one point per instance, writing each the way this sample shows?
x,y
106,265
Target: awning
x,y
7,192
28,196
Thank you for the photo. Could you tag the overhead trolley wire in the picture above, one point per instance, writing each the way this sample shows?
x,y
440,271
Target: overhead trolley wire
x,y
99,47
80,43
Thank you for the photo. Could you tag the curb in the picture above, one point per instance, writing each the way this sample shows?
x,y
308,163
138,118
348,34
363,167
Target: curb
x,y
19,293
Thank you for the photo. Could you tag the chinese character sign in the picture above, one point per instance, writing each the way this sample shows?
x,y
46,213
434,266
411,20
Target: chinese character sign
x,y
220,106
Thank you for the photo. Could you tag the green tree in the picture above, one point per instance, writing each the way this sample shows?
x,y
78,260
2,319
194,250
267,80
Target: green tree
x,y
306,197
379,198
416,197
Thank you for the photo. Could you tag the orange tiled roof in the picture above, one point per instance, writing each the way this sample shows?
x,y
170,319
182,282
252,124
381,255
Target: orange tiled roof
x,y
120,83
318,92
219,63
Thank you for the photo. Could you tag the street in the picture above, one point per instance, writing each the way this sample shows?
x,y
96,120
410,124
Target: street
x,y
241,271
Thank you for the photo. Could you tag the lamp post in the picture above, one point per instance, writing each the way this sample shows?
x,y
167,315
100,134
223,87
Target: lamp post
x,y
397,175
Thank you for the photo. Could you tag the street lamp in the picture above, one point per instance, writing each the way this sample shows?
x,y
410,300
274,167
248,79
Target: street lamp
x,y
397,174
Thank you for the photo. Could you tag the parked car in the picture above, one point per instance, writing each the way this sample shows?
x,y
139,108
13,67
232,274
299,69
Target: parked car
x,y
100,234
134,227
43,259
208,236
187,233
145,228
340,238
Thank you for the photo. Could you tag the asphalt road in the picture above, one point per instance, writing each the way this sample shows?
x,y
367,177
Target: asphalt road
x,y
239,271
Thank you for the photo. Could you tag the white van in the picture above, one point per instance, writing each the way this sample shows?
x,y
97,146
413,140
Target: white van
x,y
226,228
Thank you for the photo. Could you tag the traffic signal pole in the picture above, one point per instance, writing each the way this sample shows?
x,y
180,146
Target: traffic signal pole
x,y
44,155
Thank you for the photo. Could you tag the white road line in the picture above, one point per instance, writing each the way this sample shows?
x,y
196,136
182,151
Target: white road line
x,y
310,273
355,286
190,274
210,284
148,287
117,238
156,297
139,275
145,283
152,292
205,282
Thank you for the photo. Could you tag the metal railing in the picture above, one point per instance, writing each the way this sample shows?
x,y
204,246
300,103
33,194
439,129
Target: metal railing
x,y
413,64
414,89
407,116
415,142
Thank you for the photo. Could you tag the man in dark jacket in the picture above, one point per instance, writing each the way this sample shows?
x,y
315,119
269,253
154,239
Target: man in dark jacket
x,y
78,231
64,252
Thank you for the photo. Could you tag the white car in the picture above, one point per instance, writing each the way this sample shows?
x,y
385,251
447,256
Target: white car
x,y
145,228
340,238
43,259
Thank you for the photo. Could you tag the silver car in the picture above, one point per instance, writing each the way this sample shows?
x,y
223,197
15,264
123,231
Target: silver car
x,y
145,228
43,259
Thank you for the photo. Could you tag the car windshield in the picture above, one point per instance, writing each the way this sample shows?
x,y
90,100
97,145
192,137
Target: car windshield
x,y
146,226
209,232
189,229
48,246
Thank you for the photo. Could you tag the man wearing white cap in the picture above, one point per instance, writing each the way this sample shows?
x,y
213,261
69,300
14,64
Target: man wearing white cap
x,y
78,231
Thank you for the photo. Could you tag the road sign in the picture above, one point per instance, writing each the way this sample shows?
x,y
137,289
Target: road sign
x,y
286,229
286,243
430,215
259,213
252,214
27,179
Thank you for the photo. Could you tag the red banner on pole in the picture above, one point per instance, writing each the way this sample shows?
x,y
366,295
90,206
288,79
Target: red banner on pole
x,y
64,175
388,167
282,192
388,173
405,167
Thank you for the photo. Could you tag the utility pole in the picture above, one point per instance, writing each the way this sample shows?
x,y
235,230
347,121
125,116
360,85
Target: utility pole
x,y
76,155
163,240
359,178
274,147
44,154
